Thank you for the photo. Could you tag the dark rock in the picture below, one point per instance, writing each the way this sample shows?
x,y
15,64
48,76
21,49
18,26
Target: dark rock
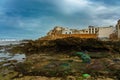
x,y
114,67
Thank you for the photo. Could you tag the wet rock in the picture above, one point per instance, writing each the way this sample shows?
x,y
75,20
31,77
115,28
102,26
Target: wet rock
x,y
38,78
8,75
62,66
114,67
107,61
95,66
116,60
71,78
104,79
104,73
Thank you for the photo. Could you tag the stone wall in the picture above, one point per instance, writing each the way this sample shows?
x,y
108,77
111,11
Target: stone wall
x,y
86,36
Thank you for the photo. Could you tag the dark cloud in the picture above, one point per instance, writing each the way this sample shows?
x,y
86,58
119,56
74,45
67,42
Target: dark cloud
x,y
35,17
108,2
28,8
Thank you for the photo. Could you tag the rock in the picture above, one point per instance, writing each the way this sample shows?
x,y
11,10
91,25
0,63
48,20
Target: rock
x,y
8,76
12,61
114,67
95,66
116,60
107,61
104,79
70,78
38,78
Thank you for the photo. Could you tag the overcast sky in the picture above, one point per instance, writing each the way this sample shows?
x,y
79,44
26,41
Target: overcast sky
x,y
31,19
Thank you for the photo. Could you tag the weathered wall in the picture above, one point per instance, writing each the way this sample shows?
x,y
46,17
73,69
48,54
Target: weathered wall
x,y
70,35
118,29
105,32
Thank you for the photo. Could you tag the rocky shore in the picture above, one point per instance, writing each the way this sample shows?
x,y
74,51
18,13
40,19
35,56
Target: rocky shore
x,y
55,60
62,67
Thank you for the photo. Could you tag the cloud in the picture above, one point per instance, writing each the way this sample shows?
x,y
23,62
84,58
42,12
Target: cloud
x,y
71,6
37,17
99,13
83,9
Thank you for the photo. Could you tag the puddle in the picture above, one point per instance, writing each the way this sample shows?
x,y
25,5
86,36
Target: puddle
x,y
8,56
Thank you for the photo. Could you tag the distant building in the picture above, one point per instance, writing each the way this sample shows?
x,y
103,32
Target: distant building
x,y
105,32
57,30
93,30
61,32
84,31
67,31
118,29
102,32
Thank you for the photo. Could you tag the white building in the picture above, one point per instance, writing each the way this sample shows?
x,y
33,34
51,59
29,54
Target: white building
x,y
105,32
67,31
75,31
93,30
84,31
102,32
118,29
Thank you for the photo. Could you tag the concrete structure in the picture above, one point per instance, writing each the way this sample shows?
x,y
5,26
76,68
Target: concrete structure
x,y
84,31
67,31
85,36
105,32
61,32
93,30
102,32
57,30
98,32
118,29
59,36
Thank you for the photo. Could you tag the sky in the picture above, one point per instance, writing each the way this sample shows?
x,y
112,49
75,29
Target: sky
x,y
32,19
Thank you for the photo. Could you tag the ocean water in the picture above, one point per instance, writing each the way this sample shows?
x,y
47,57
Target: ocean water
x,y
8,56
9,42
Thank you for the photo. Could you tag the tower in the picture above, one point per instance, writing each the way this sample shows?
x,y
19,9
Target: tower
x,y
118,29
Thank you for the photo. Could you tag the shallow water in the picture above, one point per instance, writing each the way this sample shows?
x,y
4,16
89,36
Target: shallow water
x,y
5,56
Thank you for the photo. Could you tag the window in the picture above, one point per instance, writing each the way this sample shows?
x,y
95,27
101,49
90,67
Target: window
x,y
65,32
119,26
96,29
69,32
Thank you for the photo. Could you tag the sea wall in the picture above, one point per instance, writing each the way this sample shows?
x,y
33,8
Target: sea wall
x,y
59,36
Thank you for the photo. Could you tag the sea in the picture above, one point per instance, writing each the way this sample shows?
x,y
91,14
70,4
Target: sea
x,y
6,56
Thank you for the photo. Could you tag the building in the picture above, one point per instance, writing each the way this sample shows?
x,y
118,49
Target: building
x,y
102,32
105,32
118,29
93,30
55,31
66,31
61,32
